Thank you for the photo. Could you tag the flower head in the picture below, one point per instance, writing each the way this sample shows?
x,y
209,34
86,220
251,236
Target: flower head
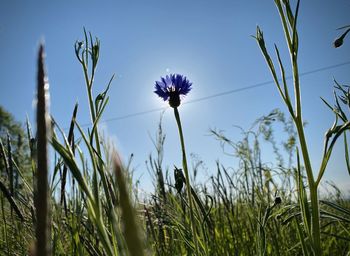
x,y
171,87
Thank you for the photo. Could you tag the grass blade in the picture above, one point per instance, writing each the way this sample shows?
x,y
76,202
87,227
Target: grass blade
x,y
41,195
131,232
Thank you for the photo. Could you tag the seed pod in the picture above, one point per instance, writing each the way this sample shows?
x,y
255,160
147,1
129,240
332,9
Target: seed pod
x,y
278,200
179,179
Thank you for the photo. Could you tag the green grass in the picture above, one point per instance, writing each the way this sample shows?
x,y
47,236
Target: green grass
x,y
90,205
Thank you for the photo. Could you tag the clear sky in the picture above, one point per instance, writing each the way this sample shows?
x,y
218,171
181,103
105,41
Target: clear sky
x,y
208,41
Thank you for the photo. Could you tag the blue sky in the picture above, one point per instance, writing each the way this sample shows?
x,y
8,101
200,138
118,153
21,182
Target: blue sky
x,y
208,41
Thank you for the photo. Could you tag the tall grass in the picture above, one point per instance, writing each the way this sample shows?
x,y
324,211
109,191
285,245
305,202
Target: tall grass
x,y
311,241
254,207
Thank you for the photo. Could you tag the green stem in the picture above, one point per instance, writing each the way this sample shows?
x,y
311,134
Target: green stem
x,y
289,27
315,221
316,233
188,186
93,114
304,151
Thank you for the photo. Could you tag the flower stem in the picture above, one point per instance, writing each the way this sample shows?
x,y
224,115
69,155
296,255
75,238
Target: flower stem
x,y
188,185
315,219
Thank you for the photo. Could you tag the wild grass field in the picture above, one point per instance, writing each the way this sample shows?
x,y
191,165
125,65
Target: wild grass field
x,y
83,200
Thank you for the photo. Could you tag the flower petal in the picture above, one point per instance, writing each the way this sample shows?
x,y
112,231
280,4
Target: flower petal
x,y
161,90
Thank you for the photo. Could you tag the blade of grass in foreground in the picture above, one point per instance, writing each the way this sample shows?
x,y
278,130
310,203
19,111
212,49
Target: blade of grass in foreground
x,y
41,194
131,231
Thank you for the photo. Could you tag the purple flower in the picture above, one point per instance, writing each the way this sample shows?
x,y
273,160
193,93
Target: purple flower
x,y
171,87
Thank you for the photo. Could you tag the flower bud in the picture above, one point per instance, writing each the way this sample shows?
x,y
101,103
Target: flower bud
x,y
278,200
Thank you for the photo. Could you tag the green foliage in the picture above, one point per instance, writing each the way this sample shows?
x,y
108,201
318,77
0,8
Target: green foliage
x,y
249,209
14,144
9,125
16,197
103,192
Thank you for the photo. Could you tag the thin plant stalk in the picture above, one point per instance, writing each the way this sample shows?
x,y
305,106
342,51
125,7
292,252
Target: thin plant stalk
x,y
42,189
289,21
187,177
292,41
92,49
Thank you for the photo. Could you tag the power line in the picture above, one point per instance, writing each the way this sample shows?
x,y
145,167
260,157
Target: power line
x,y
265,83
220,94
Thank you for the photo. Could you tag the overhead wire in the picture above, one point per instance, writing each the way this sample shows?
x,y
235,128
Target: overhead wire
x,y
220,94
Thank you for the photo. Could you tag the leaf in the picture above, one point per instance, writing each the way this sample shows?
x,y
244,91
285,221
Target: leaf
x,y
11,200
336,207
